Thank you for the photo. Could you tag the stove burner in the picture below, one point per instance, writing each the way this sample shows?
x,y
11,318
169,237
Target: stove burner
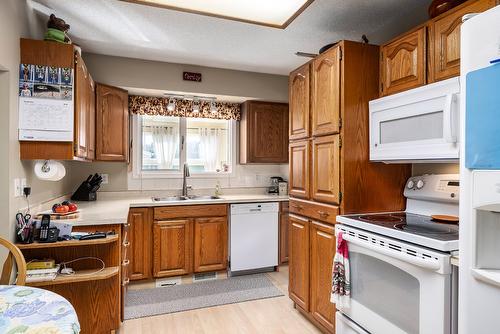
x,y
381,219
425,229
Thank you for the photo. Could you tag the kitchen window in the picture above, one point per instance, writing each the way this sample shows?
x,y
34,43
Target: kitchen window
x,y
162,144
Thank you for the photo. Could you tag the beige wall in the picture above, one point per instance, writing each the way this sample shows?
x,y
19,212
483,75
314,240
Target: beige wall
x,y
448,168
136,73
16,20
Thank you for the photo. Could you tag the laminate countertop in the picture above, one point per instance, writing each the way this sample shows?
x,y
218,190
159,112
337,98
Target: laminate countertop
x,y
115,210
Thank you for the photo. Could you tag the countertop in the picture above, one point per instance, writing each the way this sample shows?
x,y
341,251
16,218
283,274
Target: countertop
x,y
115,210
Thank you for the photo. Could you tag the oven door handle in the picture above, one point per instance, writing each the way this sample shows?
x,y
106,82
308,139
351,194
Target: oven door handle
x,y
424,263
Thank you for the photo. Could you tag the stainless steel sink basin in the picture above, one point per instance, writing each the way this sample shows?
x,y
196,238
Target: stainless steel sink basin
x,y
184,198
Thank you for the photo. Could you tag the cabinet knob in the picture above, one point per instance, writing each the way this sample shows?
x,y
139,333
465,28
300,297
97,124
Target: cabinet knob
x,y
323,213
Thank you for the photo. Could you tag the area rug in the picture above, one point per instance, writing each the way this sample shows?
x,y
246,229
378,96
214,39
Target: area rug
x,y
149,302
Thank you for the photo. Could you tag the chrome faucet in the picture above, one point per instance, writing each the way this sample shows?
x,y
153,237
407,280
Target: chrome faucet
x,y
185,175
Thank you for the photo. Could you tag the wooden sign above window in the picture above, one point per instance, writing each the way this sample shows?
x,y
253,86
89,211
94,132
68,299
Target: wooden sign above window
x,y
191,76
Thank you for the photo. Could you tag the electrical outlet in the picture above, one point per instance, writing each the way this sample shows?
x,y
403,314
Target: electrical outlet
x,y
23,185
17,187
105,178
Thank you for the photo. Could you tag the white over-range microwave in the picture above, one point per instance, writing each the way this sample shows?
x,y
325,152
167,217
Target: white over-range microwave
x,y
419,125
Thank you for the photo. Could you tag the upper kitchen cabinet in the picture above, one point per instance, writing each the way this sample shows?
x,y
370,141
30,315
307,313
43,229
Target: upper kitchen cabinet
x,y
299,168
299,82
444,39
35,52
403,62
264,133
84,127
112,124
325,91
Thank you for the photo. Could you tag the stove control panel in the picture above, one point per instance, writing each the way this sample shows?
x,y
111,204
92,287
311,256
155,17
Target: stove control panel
x,y
434,187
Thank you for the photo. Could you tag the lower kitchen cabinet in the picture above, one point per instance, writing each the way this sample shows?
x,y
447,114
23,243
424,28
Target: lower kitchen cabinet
x,y
210,244
172,247
139,235
322,248
298,285
283,251
311,252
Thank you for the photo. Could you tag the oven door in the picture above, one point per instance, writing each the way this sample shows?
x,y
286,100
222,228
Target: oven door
x,y
393,291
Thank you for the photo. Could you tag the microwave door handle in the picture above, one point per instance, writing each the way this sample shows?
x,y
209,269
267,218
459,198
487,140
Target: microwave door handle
x,y
449,119
431,264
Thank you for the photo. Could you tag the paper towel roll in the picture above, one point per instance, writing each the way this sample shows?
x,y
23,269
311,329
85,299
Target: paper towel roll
x,y
49,170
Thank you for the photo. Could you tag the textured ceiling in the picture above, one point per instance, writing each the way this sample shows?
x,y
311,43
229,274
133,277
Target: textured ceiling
x,y
124,29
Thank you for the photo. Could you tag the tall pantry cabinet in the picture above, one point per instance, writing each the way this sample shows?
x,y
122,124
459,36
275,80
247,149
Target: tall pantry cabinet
x,y
330,171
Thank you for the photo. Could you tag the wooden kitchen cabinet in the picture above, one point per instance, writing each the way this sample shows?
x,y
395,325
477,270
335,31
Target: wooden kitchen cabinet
x,y
322,247
326,169
325,92
403,62
299,168
444,37
298,285
37,52
210,244
283,242
299,82
140,243
172,247
264,132
112,124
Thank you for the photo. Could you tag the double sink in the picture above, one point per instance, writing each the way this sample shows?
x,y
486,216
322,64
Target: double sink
x,y
185,198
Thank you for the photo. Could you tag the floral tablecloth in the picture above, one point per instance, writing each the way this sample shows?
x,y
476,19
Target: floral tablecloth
x,y
27,310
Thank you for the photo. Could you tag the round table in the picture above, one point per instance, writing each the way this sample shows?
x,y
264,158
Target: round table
x,y
27,310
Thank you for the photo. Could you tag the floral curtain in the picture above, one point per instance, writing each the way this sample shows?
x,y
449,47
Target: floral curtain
x,y
150,105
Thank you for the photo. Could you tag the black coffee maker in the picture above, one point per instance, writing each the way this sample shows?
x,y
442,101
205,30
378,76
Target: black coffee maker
x,y
275,180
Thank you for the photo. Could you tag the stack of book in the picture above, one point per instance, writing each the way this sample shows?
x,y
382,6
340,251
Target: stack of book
x,y
41,271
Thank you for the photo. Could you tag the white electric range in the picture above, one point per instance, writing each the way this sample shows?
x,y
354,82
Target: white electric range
x,y
402,280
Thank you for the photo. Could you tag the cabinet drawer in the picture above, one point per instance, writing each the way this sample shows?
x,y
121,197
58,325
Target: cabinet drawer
x,y
315,211
190,211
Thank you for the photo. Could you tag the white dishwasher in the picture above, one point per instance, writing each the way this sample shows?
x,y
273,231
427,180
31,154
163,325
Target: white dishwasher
x,y
253,237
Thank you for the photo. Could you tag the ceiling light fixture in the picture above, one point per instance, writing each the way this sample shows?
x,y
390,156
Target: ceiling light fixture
x,y
213,107
171,105
196,106
276,14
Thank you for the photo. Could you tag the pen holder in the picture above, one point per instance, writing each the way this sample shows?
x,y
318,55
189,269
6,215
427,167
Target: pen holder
x,y
25,235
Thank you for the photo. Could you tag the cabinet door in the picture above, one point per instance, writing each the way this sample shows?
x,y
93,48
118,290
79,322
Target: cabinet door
x,y
91,119
284,233
172,247
112,124
210,244
266,132
299,169
322,238
445,40
298,238
325,92
139,235
403,63
299,102
81,108
326,169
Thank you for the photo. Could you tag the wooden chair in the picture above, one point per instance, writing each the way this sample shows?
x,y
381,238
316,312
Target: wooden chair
x,y
15,253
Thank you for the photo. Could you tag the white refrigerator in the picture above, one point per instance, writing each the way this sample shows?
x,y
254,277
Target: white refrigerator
x,y
479,278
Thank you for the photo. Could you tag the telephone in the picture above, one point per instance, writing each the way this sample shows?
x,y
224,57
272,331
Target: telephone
x,y
47,233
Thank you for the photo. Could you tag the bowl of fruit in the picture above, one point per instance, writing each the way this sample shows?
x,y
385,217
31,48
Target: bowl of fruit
x,y
65,207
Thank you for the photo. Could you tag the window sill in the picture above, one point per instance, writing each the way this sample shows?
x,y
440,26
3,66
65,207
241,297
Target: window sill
x,y
179,175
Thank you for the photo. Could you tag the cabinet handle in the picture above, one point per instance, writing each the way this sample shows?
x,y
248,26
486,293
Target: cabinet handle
x,y
125,262
300,75
298,226
298,207
126,243
126,281
323,213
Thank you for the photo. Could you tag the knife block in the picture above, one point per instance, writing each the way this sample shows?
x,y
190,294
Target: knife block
x,y
84,193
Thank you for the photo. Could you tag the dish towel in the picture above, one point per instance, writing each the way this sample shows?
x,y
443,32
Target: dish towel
x,y
341,280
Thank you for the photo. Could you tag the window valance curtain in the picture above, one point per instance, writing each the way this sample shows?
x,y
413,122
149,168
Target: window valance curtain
x,y
151,105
